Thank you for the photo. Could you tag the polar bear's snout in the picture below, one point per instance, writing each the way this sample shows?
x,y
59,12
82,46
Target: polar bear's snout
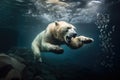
x,y
71,33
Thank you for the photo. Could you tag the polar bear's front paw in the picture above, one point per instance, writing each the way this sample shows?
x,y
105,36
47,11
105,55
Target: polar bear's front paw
x,y
57,50
86,39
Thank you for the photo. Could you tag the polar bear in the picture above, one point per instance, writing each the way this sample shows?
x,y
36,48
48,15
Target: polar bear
x,y
79,41
50,39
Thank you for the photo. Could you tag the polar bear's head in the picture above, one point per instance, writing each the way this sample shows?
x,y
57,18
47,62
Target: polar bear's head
x,y
64,31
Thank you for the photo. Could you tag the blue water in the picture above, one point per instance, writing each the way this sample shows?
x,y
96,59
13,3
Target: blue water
x,y
22,20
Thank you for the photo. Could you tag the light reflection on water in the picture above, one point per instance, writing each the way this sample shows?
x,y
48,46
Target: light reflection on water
x,y
72,14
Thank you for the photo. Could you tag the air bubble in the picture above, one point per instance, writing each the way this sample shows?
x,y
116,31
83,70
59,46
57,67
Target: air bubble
x,y
105,37
105,31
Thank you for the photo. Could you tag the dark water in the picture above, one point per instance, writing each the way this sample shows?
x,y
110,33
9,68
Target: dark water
x,y
22,20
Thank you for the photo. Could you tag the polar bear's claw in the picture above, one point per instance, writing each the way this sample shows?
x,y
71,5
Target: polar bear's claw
x,y
89,40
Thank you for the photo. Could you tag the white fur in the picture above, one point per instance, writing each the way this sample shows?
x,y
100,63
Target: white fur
x,y
56,34
51,38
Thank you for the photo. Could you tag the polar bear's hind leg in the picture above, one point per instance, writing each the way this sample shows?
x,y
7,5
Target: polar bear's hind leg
x,y
36,52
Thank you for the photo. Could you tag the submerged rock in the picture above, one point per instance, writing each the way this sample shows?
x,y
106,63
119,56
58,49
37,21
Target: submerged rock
x,y
15,67
19,65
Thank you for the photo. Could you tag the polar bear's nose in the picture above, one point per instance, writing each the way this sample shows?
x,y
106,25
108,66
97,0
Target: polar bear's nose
x,y
75,34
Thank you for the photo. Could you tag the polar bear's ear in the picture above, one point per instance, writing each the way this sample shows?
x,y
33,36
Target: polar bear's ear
x,y
56,23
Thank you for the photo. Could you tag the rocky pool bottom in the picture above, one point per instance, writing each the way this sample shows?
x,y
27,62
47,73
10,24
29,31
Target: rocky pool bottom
x,y
18,64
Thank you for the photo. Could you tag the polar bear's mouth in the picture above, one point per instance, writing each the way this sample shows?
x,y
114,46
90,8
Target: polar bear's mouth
x,y
68,39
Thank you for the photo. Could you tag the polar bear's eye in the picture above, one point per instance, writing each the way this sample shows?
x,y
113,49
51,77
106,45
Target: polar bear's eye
x,y
66,30
68,27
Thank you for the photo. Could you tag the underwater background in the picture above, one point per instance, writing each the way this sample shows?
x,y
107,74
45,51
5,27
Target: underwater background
x,y
22,20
